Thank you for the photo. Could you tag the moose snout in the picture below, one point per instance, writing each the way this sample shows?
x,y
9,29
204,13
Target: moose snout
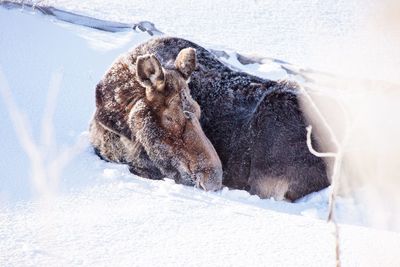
x,y
210,179
204,164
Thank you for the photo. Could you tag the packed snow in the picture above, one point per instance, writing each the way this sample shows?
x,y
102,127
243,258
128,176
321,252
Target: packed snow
x,y
98,213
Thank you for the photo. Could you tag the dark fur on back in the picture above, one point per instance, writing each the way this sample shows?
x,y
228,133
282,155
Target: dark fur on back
x,y
255,125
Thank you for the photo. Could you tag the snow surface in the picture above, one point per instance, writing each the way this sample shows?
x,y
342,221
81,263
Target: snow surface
x,y
105,216
329,35
277,25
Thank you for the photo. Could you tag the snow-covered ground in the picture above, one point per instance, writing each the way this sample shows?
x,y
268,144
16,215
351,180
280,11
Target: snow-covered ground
x,y
101,214
288,30
329,35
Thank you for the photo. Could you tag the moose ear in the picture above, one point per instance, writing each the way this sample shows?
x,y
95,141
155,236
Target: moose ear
x,y
186,62
149,72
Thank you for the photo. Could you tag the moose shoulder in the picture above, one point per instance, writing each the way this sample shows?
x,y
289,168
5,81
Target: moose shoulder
x,y
148,116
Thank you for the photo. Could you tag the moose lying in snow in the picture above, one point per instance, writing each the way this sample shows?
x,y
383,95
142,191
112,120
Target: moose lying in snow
x,y
148,116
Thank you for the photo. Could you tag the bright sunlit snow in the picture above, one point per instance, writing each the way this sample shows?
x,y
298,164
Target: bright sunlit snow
x,y
103,215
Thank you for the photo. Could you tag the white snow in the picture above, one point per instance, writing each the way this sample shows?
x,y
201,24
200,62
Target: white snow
x,y
137,222
329,35
102,215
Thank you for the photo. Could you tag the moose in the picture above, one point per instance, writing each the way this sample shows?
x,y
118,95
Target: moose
x,y
170,108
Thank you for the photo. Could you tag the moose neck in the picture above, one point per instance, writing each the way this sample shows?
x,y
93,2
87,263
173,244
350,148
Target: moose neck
x,y
227,105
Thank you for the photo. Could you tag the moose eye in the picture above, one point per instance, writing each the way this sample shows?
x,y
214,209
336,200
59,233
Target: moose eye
x,y
188,114
168,118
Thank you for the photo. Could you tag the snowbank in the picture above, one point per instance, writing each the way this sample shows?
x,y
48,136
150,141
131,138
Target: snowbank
x,y
105,216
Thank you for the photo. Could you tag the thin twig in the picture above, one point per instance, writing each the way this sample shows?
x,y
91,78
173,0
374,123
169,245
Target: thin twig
x,y
46,167
338,155
25,138
313,151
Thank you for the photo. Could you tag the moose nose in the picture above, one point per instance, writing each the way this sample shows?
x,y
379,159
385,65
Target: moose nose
x,y
209,180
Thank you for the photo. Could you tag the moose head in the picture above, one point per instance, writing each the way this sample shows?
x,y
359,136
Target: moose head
x,y
166,122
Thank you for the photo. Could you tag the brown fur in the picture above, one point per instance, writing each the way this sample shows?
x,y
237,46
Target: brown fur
x,y
146,118
255,125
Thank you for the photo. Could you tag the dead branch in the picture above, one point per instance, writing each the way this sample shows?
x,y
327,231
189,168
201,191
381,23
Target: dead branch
x,y
338,156
46,168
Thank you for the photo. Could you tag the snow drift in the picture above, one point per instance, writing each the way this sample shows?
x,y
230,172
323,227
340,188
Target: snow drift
x,y
102,215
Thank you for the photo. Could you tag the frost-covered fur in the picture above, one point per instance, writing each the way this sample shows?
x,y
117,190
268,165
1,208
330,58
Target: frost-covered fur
x,y
255,125
146,117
